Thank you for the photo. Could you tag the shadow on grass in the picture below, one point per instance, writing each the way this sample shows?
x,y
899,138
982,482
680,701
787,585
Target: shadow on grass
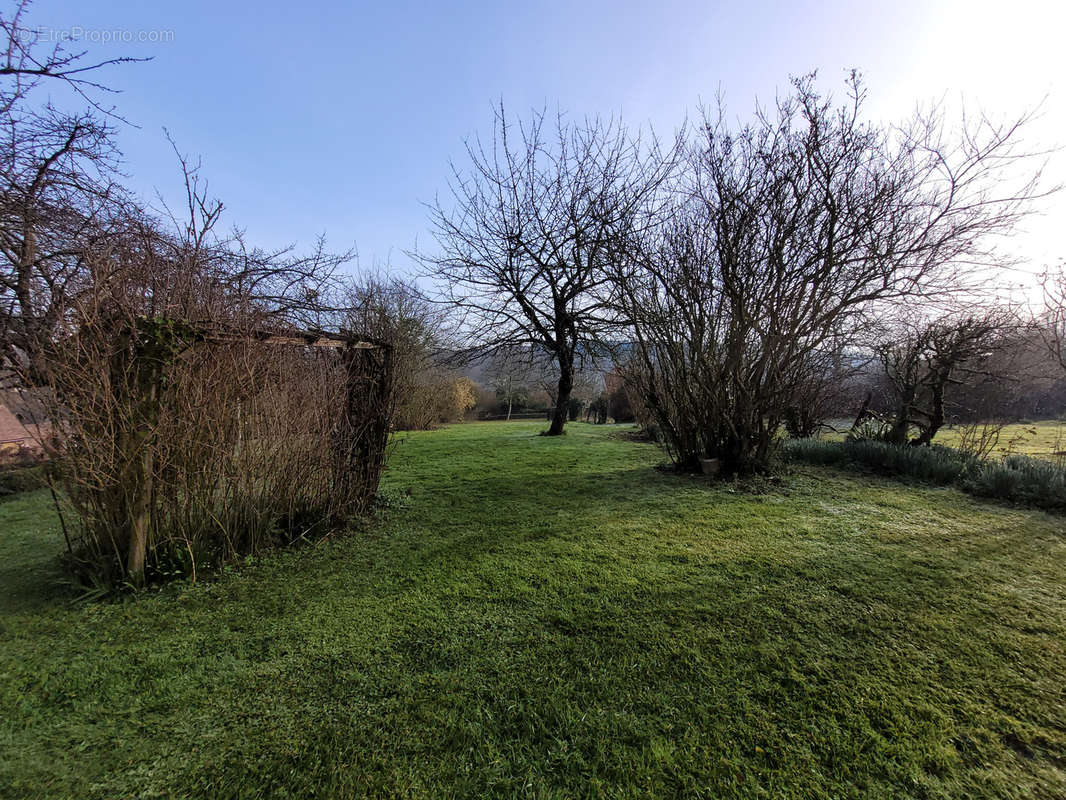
x,y
31,578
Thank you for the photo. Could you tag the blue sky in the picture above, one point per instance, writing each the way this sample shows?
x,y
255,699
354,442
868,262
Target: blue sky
x,y
340,118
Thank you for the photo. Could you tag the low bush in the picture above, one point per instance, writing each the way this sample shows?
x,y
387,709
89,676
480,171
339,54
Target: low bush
x,y
1014,479
1019,479
938,465
21,479
816,451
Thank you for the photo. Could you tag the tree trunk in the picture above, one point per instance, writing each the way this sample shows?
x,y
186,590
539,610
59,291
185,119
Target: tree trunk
x,y
901,426
27,331
864,411
936,415
562,398
900,430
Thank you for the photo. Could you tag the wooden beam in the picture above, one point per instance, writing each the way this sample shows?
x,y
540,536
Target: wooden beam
x,y
291,339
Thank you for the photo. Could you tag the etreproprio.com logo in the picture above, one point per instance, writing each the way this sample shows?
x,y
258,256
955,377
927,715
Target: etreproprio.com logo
x,y
77,33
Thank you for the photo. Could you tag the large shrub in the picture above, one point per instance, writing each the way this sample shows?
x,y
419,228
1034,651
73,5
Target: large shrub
x,y
764,260
619,407
432,397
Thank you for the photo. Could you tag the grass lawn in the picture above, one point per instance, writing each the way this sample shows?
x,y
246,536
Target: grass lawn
x,y
556,618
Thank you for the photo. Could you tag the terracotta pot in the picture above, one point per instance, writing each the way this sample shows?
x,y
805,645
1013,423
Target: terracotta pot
x,y
711,466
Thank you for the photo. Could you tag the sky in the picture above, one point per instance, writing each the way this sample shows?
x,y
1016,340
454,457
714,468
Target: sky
x,y
340,118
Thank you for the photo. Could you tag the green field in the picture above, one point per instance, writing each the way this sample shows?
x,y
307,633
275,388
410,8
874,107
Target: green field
x,y
1045,439
544,617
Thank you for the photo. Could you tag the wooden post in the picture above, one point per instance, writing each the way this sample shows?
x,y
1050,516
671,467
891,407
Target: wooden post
x,y
141,517
147,372
364,427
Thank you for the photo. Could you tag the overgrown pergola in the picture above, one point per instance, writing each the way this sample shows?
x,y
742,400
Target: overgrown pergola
x,y
144,366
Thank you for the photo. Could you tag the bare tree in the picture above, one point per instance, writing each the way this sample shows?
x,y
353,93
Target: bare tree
x,y
510,373
784,237
541,212
1051,320
923,360
188,376
26,64
428,392
59,195
588,384
57,198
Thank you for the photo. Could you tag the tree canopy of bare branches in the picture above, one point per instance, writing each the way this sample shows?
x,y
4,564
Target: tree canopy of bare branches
x,y
59,192
532,225
781,238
